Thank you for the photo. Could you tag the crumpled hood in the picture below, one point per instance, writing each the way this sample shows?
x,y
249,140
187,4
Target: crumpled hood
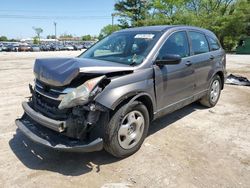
x,y
61,71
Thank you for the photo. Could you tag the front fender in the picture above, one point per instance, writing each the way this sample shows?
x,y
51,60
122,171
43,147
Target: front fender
x,y
127,86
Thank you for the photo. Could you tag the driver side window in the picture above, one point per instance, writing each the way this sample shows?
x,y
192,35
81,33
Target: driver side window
x,y
176,44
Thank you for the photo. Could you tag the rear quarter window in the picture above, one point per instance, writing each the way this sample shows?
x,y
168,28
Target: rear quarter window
x,y
213,43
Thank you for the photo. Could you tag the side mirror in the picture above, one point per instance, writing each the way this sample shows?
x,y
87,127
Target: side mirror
x,y
170,59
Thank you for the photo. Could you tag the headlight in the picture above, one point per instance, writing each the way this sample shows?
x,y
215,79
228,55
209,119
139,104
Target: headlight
x,y
80,95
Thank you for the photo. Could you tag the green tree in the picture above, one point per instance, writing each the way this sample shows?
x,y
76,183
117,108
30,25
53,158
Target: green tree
x,y
87,38
38,32
3,38
35,40
107,30
227,18
131,12
51,37
12,40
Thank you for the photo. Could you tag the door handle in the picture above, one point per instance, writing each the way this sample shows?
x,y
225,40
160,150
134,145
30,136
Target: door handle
x,y
211,57
188,63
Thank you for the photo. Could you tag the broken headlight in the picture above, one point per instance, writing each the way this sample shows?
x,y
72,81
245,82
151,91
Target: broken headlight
x,y
81,94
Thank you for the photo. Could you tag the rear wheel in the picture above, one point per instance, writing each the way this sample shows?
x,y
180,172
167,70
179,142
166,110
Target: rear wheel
x,y
125,134
213,94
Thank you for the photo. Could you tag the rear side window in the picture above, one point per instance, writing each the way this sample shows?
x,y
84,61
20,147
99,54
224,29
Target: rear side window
x,y
199,43
213,43
176,44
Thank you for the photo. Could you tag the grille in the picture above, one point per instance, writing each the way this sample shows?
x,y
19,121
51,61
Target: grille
x,y
47,100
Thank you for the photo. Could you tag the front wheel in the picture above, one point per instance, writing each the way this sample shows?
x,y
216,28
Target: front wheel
x,y
127,130
213,94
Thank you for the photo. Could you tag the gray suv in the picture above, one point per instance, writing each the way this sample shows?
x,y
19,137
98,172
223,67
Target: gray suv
x,y
107,97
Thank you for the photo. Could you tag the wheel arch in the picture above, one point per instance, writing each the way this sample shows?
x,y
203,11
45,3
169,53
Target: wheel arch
x,y
142,97
221,75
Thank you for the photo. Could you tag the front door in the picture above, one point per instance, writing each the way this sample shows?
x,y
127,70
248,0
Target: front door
x,y
174,83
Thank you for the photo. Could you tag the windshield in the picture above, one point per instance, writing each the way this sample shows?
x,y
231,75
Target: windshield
x,y
123,47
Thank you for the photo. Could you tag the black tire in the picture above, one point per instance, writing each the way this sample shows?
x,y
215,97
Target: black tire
x,y
111,142
207,99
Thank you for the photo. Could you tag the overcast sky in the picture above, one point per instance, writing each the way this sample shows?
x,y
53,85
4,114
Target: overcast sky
x,y
76,17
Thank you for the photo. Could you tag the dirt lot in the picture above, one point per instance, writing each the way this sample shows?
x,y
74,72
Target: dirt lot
x,y
193,147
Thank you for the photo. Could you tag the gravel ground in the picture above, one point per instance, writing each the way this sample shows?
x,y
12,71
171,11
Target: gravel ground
x,y
193,147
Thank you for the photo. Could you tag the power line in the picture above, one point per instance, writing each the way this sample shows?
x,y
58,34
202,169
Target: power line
x,y
52,11
8,16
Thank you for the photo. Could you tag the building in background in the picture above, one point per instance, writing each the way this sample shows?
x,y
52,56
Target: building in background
x,y
244,46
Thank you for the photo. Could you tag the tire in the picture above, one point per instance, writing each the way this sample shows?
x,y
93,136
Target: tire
x,y
124,134
213,93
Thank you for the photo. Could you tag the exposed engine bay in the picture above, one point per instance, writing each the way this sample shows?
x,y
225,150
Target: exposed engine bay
x,y
79,120
71,102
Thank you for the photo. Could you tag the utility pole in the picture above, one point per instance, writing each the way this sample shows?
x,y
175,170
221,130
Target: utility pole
x,y
55,28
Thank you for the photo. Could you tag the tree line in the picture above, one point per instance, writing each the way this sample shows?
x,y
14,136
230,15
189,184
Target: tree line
x,y
228,19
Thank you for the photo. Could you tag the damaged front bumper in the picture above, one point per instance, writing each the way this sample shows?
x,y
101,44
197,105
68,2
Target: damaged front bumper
x,y
46,131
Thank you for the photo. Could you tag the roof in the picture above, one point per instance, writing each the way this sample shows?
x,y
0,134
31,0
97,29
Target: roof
x,y
165,28
149,28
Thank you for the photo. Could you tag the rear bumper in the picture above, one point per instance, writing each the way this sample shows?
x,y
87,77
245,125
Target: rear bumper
x,y
46,131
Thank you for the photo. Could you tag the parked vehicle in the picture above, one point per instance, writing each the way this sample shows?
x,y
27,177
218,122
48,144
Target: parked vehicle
x,y
45,47
87,45
24,48
61,47
10,47
35,48
68,47
78,47
55,47
5,48
107,97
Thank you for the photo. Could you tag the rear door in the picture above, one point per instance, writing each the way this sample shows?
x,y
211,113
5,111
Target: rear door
x,y
174,83
216,52
202,60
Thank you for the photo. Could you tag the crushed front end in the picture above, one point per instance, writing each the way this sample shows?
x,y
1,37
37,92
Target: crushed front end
x,y
71,128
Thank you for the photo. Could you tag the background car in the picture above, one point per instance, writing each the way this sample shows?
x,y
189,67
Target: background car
x,y
87,45
10,48
68,47
78,47
24,48
45,47
35,48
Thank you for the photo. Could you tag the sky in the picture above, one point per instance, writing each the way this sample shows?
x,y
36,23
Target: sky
x,y
76,17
